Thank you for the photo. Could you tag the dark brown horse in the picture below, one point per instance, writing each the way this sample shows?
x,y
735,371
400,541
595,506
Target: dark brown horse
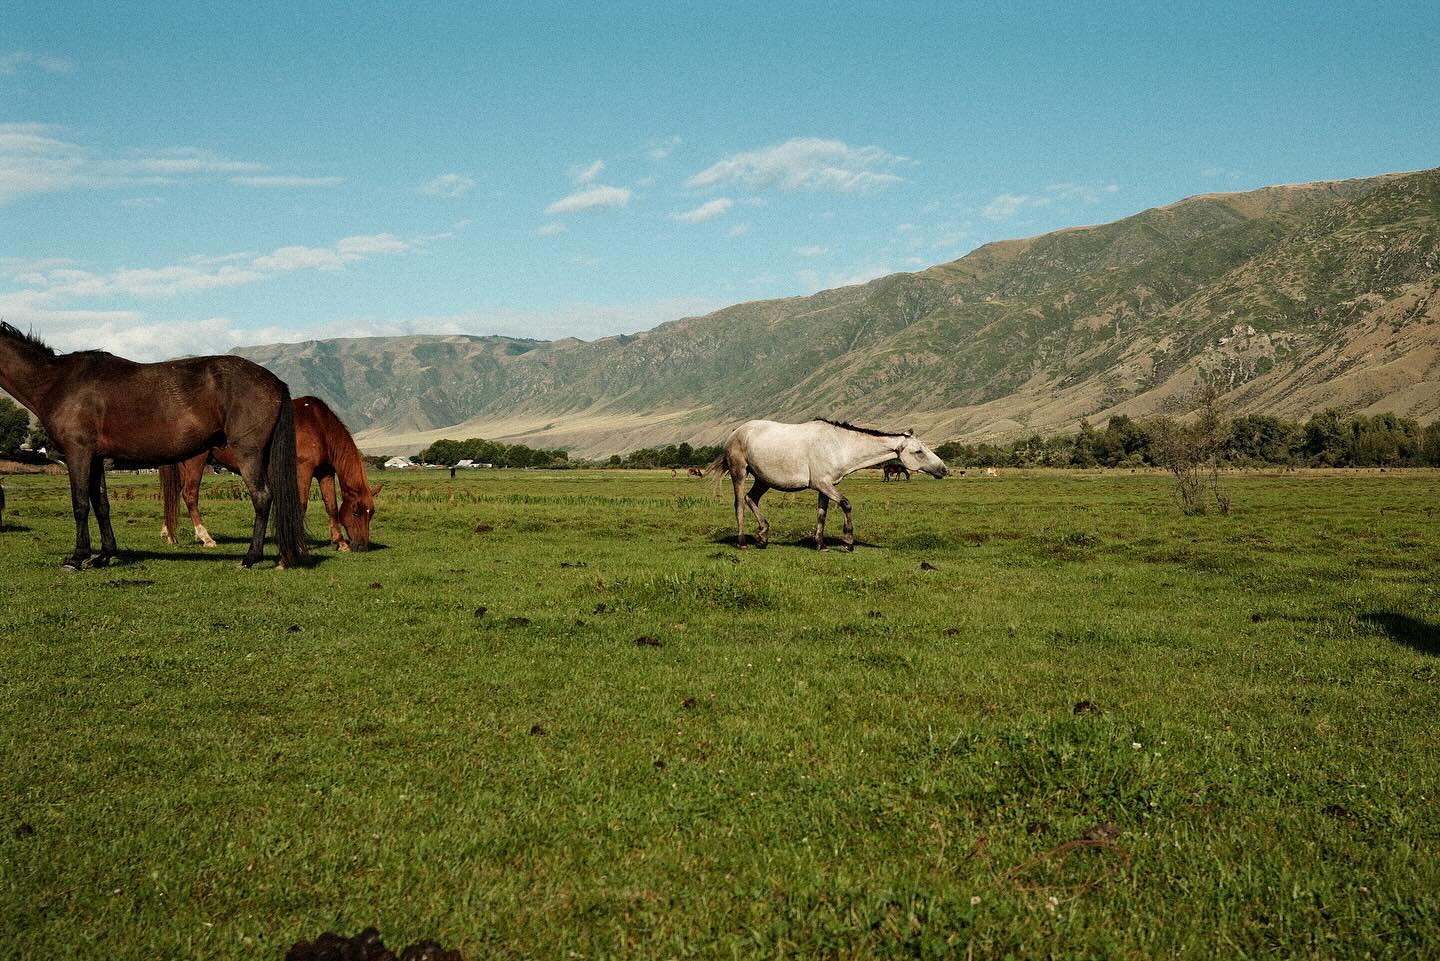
x,y
894,470
96,405
324,450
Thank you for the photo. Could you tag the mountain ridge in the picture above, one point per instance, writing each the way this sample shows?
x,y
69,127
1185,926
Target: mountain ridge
x,y
1292,298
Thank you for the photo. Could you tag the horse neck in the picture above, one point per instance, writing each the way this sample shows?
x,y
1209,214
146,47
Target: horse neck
x,y
867,450
26,373
349,465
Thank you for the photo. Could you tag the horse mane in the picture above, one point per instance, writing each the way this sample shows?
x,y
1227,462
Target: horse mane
x,y
10,332
344,456
863,430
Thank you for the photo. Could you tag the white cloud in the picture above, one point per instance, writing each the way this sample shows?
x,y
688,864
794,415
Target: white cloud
x,y
142,202
181,161
586,174
283,181
804,163
12,62
1005,206
36,158
550,230
347,250
1090,193
812,250
448,185
660,149
592,198
813,280
739,230
706,211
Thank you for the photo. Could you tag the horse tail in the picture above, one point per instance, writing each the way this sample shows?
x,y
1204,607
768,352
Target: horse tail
x,y
170,495
289,516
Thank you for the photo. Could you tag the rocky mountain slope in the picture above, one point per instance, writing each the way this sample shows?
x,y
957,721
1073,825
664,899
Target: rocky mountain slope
x,y
1293,298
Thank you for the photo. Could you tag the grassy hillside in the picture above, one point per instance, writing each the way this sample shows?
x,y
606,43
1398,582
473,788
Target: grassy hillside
x,y
1257,291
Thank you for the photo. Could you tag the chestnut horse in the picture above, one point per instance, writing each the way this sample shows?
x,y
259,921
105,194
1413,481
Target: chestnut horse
x,y
324,450
95,405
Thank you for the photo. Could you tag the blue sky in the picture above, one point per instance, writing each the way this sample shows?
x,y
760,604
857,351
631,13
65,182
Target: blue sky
x,y
180,178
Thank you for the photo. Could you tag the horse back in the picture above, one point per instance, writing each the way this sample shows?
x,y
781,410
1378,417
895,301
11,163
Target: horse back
x,y
165,411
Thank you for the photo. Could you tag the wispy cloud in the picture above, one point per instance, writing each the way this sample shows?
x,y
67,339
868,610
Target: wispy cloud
x,y
804,163
39,158
662,148
1005,206
282,181
1089,193
592,198
706,211
448,185
586,173
550,230
812,250
13,62
141,203
739,230
813,280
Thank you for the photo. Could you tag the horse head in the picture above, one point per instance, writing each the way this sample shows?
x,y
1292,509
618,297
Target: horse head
x,y
916,456
356,513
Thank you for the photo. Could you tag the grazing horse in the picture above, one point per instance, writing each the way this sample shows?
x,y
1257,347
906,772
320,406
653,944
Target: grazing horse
x,y
324,450
894,470
96,405
815,455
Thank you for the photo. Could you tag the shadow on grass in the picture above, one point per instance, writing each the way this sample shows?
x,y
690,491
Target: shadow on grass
x,y
804,541
14,529
126,556
1415,634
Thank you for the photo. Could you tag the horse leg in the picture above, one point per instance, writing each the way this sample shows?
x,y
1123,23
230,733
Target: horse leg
x,y
191,473
100,501
752,499
332,508
819,537
253,472
79,470
828,491
739,481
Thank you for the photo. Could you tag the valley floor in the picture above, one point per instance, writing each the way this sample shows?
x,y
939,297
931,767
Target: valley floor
x,y
558,714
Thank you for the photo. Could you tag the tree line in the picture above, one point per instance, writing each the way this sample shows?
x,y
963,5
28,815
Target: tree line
x,y
1327,439
447,453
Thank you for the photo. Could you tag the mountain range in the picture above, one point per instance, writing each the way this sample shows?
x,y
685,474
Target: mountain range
x,y
1291,298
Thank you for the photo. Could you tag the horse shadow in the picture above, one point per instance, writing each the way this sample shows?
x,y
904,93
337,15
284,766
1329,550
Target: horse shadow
x,y
9,528
125,556
804,541
1418,635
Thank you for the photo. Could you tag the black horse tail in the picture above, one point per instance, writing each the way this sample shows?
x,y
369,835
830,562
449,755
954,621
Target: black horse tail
x,y
284,483
170,495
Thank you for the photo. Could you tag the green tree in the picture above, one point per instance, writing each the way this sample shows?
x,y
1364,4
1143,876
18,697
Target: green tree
x,y
14,426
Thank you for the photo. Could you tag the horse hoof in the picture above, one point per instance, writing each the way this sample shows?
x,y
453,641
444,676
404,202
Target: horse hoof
x,y
102,560
72,565
850,548
248,561
342,547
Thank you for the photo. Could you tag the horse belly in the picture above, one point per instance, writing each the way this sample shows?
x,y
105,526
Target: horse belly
x,y
155,435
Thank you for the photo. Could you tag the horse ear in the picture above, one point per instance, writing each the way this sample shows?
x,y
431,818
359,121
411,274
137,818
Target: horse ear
x,y
375,491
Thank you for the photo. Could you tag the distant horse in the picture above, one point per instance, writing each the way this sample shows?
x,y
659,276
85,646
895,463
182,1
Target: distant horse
x,y
894,470
695,472
96,405
815,455
324,450
2,507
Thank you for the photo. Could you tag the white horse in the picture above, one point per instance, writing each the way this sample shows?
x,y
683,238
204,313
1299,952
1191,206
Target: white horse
x,y
815,455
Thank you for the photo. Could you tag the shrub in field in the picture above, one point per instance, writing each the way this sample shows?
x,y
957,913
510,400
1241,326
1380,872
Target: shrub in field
x,y
1190,450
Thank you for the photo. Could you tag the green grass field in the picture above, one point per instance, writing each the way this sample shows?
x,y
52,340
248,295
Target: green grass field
x,y
812,754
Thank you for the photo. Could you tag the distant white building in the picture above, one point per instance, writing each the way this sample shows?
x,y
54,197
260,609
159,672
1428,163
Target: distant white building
x,y
396,463
466,463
